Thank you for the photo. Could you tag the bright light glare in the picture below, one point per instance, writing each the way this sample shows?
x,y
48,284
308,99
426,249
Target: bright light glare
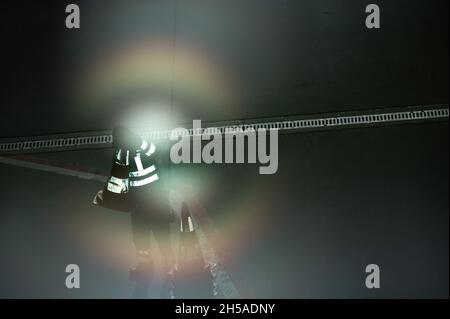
x,y
148,116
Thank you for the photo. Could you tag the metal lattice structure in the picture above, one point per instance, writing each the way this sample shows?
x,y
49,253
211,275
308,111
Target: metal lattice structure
x,y
287,124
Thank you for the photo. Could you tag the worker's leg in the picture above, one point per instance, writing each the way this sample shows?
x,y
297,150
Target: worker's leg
x,y
141,233
161,231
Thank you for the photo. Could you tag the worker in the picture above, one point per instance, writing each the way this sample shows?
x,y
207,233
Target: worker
x,y
135,185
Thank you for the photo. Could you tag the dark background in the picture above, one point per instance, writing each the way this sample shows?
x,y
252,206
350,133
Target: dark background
x,y
340,200
280,57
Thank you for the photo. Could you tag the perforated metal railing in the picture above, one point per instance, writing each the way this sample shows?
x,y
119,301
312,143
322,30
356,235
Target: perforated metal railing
x,y
288,124
54,143
324,122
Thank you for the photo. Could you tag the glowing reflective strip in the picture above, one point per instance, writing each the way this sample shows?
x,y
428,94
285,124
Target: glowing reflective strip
x,y
142,172
113,188
117,185
145,181
151,150
138,161
191,227
118,158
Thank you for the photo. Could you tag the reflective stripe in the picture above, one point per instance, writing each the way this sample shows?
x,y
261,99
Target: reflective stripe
x,y
119,160
151,150
191,227
117,185
138,161
142,172
144,145
145,181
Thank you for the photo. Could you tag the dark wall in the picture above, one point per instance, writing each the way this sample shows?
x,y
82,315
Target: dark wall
x,y
231,59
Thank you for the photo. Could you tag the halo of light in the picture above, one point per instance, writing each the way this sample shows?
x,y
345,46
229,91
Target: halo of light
x,y
157,69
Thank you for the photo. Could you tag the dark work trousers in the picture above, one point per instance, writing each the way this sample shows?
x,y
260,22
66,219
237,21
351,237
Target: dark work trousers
x,y
150,212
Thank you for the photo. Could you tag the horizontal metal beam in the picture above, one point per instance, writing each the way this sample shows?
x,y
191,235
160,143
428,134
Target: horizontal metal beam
x,y
48,166
286,124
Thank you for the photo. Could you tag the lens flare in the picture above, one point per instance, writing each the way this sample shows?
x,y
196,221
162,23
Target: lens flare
x,y
183,78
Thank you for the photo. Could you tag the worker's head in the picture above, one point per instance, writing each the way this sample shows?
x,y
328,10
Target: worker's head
x,y
125,139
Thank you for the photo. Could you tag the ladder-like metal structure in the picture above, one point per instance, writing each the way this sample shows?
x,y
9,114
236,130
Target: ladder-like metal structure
x,y
286,124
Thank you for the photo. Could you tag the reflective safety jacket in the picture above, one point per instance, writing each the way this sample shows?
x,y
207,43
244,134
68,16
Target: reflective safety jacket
x,y
133,168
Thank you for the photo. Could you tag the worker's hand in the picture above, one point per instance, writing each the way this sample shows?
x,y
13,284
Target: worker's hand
x,y
125,139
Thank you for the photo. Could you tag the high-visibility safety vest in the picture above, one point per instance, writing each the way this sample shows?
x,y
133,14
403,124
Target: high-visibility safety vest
x,y
131,169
